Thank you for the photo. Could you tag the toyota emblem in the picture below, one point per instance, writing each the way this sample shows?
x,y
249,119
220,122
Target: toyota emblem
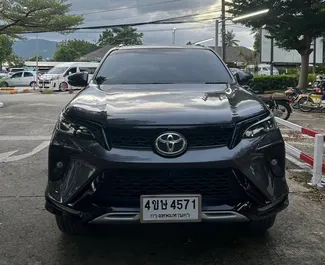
x,y
170,144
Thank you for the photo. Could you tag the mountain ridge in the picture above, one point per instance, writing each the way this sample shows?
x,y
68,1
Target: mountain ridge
x,y
28,48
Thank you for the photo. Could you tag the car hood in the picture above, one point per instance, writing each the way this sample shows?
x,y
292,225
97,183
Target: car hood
x,y
170,104
49,76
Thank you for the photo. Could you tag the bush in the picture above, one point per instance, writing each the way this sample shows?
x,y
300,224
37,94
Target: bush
x,y
275,82
278,82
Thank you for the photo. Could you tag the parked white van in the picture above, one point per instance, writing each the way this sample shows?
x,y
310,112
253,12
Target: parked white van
x,y
262,69
57,77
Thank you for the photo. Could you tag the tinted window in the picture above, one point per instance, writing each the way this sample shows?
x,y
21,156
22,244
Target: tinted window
x,y
20,74
16,69
149,66
71,71
89,70
28,74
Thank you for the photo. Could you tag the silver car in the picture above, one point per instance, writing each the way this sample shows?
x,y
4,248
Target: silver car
x,y
24,78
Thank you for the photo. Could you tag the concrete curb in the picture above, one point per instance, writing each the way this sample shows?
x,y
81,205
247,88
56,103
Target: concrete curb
x,y
19,90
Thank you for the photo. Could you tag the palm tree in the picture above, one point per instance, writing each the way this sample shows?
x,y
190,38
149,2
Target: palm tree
x,y
230,39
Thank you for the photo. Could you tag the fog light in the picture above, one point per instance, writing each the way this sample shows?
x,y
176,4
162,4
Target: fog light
x,y
276,168
274,162
59,165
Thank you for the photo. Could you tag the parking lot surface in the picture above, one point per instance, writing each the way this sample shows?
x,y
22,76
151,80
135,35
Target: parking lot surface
x,y
28,233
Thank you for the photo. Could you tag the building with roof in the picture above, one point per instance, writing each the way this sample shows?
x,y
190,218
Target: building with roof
x,y
239,56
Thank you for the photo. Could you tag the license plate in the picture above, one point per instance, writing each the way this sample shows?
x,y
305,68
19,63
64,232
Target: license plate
x,y
170,208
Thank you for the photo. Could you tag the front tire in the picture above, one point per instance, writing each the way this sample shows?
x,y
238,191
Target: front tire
x,y
5,84
70,225
262,225
63,86
287,109
302,104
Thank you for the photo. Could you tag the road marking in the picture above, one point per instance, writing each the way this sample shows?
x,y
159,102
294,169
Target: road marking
x,y
7,157
24,138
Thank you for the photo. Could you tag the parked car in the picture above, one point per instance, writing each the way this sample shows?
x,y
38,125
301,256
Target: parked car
x,y
60,73
15,70
3,74
172,140
25,78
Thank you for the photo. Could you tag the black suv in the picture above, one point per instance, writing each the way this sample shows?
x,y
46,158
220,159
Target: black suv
x,y
160,135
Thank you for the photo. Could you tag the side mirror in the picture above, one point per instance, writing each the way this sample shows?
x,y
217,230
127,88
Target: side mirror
x,y
78,79
241,80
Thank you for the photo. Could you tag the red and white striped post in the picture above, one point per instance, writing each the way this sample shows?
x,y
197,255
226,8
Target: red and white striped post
x,y
317,161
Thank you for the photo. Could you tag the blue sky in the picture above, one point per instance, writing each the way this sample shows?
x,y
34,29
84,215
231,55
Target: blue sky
x,y
106,12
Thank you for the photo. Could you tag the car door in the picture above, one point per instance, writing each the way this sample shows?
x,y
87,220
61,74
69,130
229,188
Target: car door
x,y
27,78
15,79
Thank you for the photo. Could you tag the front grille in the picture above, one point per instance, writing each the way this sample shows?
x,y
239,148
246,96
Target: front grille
x,y
123,187
200,136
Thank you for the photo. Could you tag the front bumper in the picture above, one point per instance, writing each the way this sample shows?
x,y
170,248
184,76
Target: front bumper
x,y
70,189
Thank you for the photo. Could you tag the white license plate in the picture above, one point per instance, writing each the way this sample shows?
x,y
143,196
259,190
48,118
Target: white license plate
x,y
170,208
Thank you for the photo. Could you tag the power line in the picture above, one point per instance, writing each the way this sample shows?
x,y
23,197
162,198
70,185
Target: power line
x,y
129,7
172,20
149,30
100,19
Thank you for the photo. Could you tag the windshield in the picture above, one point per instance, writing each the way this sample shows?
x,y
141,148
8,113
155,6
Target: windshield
x,y
156,66
57,70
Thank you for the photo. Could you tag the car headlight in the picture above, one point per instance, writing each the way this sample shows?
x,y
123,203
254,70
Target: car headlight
x,y
261,127
67,126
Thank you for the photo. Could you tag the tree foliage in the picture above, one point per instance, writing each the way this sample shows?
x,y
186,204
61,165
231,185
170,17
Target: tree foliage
x,y
293,24
257,42
5,49
19,16
33,58
120,35
15,61
71,50
230,39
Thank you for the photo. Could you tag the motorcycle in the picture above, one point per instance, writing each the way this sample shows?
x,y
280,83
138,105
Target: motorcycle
x,y
313,101
278,103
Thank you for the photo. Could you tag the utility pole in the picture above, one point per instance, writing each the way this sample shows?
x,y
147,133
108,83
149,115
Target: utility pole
x,y
216,36
314,56
37,59
272,54
223,29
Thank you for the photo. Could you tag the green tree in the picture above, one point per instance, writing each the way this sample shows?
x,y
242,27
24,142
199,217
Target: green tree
x,y
120,35
15,61
230,39
257,41
249,58
71,50
293,24
5,49
33,58
19,16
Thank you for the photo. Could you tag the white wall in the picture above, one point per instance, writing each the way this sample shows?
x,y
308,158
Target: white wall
x,y
283,56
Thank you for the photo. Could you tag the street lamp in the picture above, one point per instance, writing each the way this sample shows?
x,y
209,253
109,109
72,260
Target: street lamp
x,y
235,19
174,35
37,52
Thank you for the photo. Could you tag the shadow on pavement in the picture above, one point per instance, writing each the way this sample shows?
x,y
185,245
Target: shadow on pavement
x,y
162,244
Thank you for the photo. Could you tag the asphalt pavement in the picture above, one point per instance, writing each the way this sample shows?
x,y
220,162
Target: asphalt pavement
x,y
28,233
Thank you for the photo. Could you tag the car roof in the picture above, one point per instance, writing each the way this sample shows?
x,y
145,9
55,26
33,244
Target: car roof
x,y
127,47
80,64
